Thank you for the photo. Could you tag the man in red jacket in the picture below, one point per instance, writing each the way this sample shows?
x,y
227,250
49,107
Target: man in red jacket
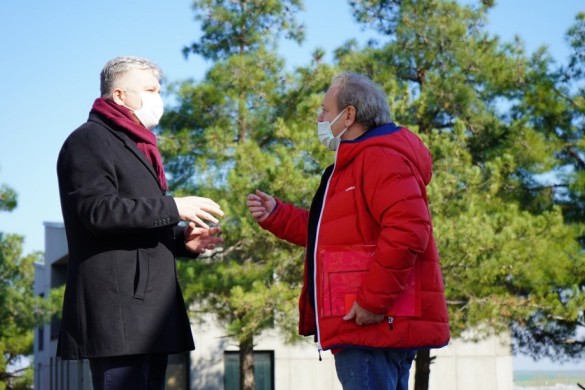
x,y
373,289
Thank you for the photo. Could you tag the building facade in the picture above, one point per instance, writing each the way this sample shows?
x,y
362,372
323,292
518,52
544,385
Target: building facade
x,y
214,364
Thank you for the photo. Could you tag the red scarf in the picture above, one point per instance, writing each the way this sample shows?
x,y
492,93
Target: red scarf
x,y
121,117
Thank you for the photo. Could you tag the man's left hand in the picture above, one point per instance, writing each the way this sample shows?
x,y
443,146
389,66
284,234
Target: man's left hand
x,y
198,239
363,316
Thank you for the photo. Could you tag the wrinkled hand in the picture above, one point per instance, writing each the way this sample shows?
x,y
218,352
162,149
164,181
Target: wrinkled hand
x,y
363,316
197,209
198,240
260,205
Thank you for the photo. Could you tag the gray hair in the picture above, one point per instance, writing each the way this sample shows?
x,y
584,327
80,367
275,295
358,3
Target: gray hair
x,y
118,66
369,100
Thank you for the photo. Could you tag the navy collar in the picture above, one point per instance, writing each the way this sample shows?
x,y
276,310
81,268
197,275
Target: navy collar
x,y
385,129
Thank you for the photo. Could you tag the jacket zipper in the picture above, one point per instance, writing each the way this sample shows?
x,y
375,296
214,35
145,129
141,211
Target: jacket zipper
x,y
319,348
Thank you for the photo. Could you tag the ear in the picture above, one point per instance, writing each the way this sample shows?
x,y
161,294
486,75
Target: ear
x,y
117,94
350,115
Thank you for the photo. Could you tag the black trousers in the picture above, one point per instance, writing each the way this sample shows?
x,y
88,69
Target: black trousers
x,y
136,372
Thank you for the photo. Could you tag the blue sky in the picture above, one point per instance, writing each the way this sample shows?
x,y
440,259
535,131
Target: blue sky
x,y
52,53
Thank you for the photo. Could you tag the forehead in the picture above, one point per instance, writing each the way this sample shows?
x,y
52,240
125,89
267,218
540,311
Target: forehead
x,y
329,98
140,77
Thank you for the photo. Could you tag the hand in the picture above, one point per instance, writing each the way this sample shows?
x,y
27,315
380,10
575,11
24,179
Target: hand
x,y
198,240
363,316
260,205
196,209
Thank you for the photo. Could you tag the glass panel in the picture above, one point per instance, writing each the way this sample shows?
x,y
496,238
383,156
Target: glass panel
x,y
231,371
263,370
177,372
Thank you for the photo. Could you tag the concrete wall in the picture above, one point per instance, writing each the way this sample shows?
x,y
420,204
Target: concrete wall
x,y
295,367
50,372
459,366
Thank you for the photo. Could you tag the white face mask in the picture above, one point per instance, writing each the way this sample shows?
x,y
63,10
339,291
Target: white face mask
x,y
151,111
325,133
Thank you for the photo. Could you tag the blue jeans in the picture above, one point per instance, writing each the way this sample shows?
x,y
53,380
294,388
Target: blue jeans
x,y
373,369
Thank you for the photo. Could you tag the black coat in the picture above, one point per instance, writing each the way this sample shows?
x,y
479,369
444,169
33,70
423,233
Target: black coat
x,y
122,295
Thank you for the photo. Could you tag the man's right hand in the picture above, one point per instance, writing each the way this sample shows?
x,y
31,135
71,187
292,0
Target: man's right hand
x,y
197,209
260,205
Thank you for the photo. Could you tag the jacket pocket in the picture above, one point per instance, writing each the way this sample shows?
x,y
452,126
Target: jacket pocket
x,y
141,274
344,269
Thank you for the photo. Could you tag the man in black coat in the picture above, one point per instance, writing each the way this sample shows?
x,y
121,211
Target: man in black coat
x,y
123,307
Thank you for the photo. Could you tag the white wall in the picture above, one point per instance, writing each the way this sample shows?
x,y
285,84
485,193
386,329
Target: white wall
x,y
486,364
459,366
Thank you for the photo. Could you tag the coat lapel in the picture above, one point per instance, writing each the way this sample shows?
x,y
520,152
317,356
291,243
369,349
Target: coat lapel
x,y
128,143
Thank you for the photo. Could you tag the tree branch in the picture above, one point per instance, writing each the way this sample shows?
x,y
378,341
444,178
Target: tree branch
x,y
572,152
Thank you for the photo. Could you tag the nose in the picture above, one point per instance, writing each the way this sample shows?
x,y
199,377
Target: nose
x,y
319,114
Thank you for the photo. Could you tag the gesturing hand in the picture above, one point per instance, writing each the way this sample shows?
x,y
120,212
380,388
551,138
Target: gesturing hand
x,y
198,240
260,205
197,209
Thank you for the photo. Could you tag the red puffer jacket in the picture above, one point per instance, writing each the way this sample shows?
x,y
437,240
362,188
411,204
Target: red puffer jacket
x,y
374,244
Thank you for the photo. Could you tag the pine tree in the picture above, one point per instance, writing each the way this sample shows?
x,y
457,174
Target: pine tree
x,y
499,125
20,310
552,107
223,140
511,256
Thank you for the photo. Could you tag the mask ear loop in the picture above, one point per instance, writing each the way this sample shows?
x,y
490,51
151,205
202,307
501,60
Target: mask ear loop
x,y
338,136
342,132
337,117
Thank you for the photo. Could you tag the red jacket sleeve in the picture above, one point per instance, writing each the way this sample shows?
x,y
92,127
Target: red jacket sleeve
x,y
396,198
288,222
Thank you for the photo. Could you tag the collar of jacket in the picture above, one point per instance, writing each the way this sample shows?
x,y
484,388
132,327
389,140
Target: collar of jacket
x,y
395,139
348,149
128,143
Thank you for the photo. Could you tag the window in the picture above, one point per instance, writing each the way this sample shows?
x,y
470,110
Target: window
x,y
263,370
178,372
41,338
41,333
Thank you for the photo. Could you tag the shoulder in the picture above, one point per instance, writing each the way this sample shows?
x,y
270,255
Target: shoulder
x,y
88,130
89,139
380,167
382,158
92,133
